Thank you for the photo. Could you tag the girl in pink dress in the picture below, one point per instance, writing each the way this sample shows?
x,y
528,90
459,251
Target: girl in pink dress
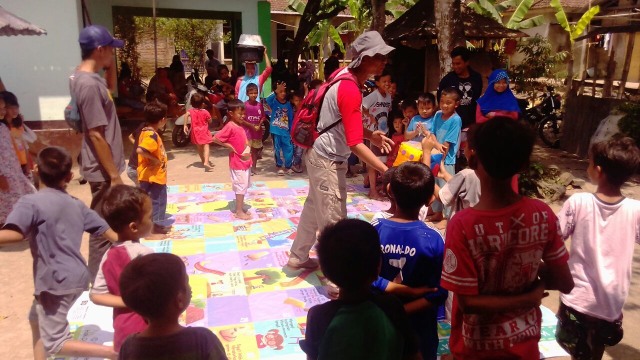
x,y
199,119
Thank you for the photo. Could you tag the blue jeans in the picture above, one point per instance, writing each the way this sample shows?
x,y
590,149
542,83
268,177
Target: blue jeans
x,y
297,155
133,174
158,194
282,144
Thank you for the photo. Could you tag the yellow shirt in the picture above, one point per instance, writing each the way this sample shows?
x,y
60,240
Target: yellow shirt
x,y
151,143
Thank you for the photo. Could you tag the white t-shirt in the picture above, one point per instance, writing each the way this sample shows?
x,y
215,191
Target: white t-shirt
x,y
379,107
461,192
602,241
422,216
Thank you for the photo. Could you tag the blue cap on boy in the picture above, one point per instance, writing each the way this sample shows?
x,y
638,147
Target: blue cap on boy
x,y
94,36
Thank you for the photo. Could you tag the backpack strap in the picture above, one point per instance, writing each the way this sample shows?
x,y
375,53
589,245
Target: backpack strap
x,y
334,81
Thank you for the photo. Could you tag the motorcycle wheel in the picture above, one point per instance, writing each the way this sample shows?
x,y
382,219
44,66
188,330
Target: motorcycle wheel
x,y
550,131
265,131
178,137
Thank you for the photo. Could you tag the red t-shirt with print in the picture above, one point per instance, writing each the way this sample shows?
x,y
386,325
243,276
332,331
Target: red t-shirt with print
x,y
499,252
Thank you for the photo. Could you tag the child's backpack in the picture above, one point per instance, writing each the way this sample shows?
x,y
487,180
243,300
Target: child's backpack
x,y
304,130
72,115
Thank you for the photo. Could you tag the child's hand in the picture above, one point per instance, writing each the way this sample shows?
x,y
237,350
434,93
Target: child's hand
x,y
442,172
537,293
491,115
405,122
155,161
428,143
257,127
421,291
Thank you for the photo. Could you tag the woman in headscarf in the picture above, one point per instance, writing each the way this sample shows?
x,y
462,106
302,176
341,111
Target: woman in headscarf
x,y
498,100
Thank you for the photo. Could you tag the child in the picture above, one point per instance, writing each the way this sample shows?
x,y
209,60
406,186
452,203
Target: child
x,y
252,125
602,227
21,134
152,165
446,127
412,252
296,100
200,119
280,126
422,123
360,324
409,110
495,252
54,222
461,190
497,100
396,133
132,166
128,212
385,179
233,137
156,286
376,108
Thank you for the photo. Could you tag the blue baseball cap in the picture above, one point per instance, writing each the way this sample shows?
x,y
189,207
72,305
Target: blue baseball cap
x,y
94,36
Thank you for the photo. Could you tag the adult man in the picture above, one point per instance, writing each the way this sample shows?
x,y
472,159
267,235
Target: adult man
x,y
465,79
251,77
211,65
327,160
102,153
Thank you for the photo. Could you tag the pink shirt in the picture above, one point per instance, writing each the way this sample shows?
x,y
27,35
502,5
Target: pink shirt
x,y
253,113
602,241
234,135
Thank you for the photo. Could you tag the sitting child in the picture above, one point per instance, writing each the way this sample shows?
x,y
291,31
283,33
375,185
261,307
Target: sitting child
x,y
156,286
360,324
128,211
412,252
54,222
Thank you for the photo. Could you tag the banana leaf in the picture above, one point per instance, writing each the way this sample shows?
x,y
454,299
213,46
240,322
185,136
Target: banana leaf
x,y
297,6
560,15
335,36
488,6
519,13
506,5
530,22
584,21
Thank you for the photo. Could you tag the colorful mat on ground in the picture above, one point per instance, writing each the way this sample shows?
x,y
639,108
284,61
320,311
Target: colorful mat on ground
x,y
240,289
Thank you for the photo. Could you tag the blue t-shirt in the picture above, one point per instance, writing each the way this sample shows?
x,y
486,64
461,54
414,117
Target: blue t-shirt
x,y
412,253
281,116
428,124
448,131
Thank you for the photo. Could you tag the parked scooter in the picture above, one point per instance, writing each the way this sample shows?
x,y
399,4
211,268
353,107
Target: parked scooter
x,y
545,117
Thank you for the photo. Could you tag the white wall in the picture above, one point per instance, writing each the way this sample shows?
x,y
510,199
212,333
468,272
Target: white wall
x,y
36,68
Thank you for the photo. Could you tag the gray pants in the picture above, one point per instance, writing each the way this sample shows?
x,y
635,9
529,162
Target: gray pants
x,y
98,244
325,204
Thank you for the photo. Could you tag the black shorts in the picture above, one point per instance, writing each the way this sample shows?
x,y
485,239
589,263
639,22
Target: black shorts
x,y
584,336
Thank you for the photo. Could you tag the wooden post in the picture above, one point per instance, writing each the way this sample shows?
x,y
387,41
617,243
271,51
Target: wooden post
x,y
627,63
608,79
586,66
595,74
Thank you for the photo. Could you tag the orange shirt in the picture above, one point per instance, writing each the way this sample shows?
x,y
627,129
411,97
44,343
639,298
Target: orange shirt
x,y
19,145
151,143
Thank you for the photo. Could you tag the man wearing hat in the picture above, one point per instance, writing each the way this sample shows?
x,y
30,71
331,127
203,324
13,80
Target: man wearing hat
x,y
251,77
327,160
102,153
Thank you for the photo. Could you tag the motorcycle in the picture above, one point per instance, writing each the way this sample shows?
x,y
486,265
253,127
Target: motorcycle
x,y
545,117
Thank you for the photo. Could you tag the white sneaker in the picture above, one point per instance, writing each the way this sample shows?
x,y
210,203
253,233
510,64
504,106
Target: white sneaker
x,y
290,172
280,172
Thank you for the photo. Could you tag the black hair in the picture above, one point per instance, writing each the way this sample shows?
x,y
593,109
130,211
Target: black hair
x,y
385,72
86,53
54,165
123,205
235,104
451,91
385,179
196,100
349,253
503,146
408,103
412,185
149,283
461,51
427,98
222,67
392,117
314,84
154,111
10,99
209,51
251,86
619,159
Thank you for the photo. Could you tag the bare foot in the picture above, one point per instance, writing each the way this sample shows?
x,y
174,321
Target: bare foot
x,y
242,215
208,167
374,195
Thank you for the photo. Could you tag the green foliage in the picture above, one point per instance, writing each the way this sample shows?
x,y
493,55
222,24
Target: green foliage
x,y
362,16
517,21
577,29
540,61
124,27
398,7
630,124
191,35
529,179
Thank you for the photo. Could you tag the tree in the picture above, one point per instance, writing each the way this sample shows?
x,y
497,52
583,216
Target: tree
x,y
360,10
379,17
124,27
320,36
450,30
398,7
313,12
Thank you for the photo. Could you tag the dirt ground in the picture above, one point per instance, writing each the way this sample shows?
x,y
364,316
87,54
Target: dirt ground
x,y
16,264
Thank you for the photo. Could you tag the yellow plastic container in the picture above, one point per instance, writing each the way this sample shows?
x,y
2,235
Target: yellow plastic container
x,y
408,151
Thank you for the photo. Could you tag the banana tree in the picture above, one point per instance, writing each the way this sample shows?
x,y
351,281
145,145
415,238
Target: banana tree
x,y
398,7
319,37
573,31
516,21
360,10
